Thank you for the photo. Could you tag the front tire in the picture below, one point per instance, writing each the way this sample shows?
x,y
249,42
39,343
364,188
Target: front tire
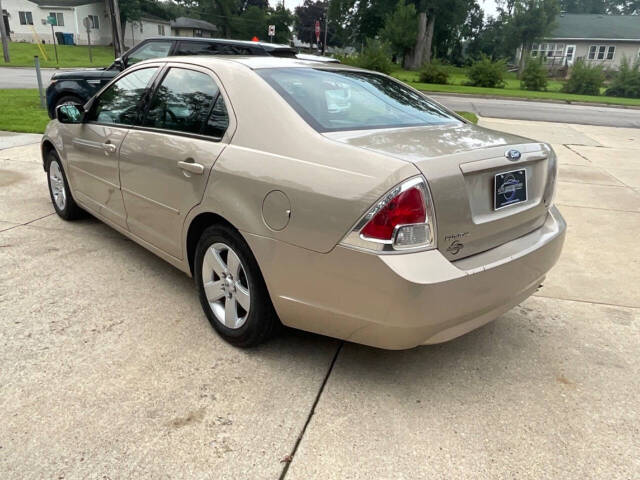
x,y
63,202
232,291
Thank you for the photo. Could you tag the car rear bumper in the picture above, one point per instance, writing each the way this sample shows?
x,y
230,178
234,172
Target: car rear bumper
x,y
401,301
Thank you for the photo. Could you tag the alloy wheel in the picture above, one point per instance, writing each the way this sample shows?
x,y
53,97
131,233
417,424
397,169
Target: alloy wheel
x,y
226,285
56,180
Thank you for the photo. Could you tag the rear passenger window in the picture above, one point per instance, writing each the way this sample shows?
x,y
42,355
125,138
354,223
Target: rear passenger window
x,y
218,120
183,101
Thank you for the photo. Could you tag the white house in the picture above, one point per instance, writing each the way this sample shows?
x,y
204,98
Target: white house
x,y
597,39
26,22
148,26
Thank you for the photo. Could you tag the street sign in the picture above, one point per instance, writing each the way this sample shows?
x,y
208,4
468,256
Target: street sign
x,y
86,23
272,30
317,31
51,20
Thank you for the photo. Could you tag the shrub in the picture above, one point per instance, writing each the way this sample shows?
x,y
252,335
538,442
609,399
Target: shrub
x,y
434,72
534,75
486,73
585,79
626,82
375,56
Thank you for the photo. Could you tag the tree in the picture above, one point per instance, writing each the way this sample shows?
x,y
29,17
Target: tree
x,y
306,16
282,19
530,21
400,28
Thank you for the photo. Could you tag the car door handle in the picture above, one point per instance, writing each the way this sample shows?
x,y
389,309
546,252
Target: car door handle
x,y
192,167
109,147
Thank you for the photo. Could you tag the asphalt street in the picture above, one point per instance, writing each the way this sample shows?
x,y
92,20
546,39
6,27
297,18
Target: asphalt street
x,y
111,370
24,77
542,111
485,107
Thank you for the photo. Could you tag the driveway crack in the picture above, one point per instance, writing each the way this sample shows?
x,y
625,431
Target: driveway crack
x,y
289,458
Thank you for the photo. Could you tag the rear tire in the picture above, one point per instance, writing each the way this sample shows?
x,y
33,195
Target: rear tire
x,y
232,291
63,202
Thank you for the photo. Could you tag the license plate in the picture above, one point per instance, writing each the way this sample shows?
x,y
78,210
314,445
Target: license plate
x,y
509,188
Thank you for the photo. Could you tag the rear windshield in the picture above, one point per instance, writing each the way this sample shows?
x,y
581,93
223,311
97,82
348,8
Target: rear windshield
x,y
335,100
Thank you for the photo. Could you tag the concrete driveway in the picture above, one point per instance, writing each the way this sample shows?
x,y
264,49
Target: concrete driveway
x,y
110,369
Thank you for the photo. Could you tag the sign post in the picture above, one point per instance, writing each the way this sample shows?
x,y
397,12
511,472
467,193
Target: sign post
x,y
272,32
317,32
86,21
51,20
39,78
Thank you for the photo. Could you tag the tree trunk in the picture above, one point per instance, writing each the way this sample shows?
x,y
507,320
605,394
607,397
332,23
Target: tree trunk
x,y
413,60
427,49
523,55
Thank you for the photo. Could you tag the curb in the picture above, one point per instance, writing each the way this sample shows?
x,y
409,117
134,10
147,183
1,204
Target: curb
x,y
540,100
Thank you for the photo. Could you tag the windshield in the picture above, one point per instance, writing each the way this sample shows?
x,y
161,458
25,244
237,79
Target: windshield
x,y
334,100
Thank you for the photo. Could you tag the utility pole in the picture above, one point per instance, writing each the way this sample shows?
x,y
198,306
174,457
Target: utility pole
x,y
116,14
116,29
3,33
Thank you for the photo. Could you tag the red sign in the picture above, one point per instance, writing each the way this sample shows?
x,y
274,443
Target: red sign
x,y
317,31
255,39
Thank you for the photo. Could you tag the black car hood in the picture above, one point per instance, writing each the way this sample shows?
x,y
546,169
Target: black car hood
x,y
86,74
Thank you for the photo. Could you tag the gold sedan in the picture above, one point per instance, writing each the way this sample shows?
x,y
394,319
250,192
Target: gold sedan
x,y
328,198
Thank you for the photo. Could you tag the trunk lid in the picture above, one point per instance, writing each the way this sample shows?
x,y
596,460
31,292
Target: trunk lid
x,y
460,162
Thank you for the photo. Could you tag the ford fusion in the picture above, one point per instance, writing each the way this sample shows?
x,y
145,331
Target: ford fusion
x,y
331,199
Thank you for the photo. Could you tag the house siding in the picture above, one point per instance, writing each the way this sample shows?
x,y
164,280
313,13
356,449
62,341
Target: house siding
x,y
622,49
133,34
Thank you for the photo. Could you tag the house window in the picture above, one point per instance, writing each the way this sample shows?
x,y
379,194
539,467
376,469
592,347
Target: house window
x,y
197,32
602,52
161,30
59,18
547,50
94,21
25,18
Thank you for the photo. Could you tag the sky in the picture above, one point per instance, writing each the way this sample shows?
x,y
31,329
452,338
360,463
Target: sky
x,y
489,6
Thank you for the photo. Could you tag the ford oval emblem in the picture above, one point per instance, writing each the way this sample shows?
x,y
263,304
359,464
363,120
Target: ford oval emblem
x,y
513,155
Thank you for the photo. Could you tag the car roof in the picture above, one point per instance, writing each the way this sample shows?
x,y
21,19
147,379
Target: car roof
x,y
228,41
253,62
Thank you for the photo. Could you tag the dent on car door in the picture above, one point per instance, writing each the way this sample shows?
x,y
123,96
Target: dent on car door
x,y
94,145
165,164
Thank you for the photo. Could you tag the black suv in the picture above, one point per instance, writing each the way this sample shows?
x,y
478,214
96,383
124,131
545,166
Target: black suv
x,y
80,85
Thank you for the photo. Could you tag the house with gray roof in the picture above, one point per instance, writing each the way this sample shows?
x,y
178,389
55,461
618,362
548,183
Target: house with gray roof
x,y
598,39
192,27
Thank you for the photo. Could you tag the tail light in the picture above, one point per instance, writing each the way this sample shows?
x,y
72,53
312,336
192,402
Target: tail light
x,y
401,220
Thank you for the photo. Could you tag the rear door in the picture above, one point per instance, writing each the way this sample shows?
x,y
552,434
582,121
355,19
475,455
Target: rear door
x,y
165,164
94,145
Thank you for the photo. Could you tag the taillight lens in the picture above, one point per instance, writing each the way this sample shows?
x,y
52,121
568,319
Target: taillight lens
x,y
401,220
408,207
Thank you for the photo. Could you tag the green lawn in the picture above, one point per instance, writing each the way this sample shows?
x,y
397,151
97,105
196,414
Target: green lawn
x,y
21,55
457,79
21,111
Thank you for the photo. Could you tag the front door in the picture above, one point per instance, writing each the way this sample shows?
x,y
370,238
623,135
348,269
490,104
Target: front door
x,y
570,55
95,145
165,163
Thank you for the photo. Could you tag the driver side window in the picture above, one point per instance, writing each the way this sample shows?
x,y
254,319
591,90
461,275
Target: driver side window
x,y
119,104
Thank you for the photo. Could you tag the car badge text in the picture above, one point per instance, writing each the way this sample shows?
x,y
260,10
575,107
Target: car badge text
x,y
513,155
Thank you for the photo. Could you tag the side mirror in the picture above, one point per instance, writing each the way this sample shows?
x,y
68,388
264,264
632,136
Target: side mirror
x,y
118,64
69,113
